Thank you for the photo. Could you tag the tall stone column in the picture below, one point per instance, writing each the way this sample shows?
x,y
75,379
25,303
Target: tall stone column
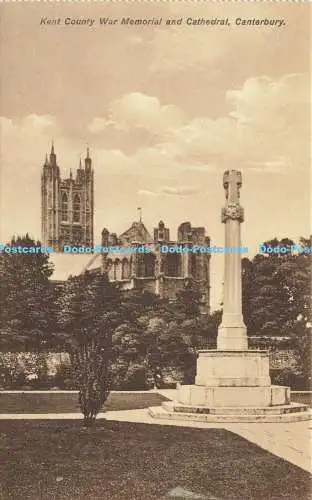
x,y
232,333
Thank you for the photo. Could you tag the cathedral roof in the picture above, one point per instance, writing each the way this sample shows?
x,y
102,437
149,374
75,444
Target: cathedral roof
x,y
136,233
68,264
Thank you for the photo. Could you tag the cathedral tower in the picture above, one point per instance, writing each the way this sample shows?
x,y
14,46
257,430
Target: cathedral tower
x,y
67,205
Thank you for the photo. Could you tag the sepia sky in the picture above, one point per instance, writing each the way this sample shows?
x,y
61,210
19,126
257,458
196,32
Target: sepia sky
x,y
165,110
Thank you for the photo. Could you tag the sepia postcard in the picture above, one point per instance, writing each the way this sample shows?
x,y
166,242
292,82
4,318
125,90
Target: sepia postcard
x,y
155,250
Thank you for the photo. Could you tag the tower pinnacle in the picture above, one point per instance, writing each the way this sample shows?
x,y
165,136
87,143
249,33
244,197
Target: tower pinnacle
x,y
140,214
52,155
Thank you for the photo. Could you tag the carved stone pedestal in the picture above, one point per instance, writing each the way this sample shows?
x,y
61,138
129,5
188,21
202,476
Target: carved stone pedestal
x,y
217,368
232,386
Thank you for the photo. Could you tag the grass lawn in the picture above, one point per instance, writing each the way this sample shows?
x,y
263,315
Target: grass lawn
x,y
50,402
45,460
53,402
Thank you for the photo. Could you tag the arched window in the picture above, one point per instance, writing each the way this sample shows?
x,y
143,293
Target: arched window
x,y
150,265
196,267
76,208
64,207
125,269
110,270
117,270
146,266
173,265
193,266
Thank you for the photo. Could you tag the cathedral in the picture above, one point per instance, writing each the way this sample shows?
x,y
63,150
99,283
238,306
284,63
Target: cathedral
x,y
67,205
67,219
159,272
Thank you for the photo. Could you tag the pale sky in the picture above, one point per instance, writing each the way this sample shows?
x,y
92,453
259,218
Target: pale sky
x,y
165,110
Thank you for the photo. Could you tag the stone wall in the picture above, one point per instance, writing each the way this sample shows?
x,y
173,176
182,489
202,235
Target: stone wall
x,y
283,358
32,362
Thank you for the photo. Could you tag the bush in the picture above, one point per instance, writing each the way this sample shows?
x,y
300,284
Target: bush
x,y
12,372
135,379
63,378
288,378
25,370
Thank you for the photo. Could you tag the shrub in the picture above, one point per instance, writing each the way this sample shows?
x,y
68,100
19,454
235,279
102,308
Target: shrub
x,y
63,378
288,378
135,379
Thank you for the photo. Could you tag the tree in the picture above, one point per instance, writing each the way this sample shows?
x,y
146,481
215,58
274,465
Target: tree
x,y
151,337
188,300
303,348
277,297
276,287
88,315
27,296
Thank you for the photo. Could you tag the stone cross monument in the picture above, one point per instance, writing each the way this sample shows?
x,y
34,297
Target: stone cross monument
x,y
232,382
232,334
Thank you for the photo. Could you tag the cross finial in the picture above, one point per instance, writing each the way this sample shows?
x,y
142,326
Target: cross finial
x,y
232,182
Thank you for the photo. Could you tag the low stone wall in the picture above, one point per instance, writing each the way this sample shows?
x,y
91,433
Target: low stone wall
x,y
280,359
284,359
32,362
281,350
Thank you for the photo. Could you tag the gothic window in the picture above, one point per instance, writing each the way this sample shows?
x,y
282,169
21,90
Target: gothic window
x,y
64,207
146,266
110,270
125,269
196,267
150,265
76,208
193,266
141,266
206,271
117,270
172,265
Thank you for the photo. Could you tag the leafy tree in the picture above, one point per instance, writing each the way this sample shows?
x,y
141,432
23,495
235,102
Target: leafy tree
x,y
277,297
276,287
188,300
88,315
150,336
27,295
303,347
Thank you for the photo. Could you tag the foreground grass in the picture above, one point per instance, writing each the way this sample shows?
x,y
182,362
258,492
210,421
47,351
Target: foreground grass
x,y
53,402
43,460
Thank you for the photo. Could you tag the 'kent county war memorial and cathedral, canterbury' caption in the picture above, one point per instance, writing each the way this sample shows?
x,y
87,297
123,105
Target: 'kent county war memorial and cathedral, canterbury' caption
x,y
160,21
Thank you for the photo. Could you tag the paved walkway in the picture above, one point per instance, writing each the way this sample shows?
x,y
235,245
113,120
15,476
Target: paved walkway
x,y
290,441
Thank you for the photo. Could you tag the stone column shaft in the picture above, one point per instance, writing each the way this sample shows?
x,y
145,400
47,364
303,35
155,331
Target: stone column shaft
x,y
232,334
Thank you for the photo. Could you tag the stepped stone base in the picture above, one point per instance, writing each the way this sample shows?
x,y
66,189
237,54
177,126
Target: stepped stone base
x,y
294,412
232,386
